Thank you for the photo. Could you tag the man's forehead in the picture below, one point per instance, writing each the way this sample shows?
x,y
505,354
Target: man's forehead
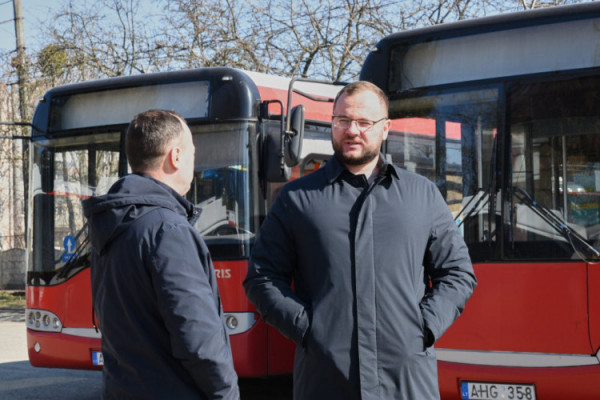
x,y
368,98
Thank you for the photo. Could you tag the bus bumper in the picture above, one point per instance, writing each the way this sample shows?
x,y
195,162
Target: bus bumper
x,y
59,350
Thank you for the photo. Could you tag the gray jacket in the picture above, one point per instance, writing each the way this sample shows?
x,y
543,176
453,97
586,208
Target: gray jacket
x,y
379,272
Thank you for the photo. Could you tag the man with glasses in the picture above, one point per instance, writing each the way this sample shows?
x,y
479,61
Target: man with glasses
x,y
378,266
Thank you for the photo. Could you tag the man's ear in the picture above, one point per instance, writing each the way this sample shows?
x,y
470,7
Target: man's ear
x,y
175,157
386,128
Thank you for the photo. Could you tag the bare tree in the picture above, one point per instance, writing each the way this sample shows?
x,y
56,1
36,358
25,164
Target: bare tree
x,y
326,39
208,33
101,39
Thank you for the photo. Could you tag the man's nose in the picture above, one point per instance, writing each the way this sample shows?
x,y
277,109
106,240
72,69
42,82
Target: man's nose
x,y
353,128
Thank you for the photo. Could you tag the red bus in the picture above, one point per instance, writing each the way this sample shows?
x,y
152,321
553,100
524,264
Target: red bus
x,y
248,142
503,114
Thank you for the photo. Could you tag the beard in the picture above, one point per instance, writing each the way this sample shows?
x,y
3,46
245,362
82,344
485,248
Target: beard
x,y
367,156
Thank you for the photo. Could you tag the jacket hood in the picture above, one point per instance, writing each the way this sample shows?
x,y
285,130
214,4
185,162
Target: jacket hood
x,y
129,199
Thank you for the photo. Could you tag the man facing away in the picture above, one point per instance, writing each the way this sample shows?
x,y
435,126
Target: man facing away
x,y
379,268
153,283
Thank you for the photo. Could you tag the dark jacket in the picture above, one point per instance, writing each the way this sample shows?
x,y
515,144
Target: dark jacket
x,y
155,296
361,258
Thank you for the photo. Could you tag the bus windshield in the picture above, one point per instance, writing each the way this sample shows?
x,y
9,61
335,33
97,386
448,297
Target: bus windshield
x,y
65,171
70,169
221,188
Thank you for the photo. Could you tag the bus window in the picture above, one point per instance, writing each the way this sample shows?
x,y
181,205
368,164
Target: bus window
x,y
554,136
63,174
449,138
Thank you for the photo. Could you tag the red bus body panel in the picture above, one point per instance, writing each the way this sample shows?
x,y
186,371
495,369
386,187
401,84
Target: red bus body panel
x,y
525,307
529,308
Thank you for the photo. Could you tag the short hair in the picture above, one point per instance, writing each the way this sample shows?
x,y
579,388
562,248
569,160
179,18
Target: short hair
x,y
364,86
148,135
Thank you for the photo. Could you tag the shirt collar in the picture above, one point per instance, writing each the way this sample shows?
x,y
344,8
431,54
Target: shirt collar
x,y
387,168
334,168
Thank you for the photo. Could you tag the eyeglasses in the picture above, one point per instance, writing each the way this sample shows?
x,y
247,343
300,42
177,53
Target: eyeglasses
x,y
363,125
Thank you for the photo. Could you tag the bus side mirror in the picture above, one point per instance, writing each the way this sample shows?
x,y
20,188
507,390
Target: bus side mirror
x,y
273,168
294,136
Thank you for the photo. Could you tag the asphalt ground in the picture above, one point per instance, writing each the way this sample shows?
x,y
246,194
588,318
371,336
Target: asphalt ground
x,y
20,381
13,346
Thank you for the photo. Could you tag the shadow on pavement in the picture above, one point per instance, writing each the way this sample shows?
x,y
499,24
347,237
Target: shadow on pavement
x,y
20,381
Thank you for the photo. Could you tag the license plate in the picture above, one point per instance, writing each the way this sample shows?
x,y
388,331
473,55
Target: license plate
x,y
97,358
492,391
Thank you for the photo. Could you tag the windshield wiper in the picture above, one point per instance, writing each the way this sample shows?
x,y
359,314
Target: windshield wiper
x,y
555,222
478,199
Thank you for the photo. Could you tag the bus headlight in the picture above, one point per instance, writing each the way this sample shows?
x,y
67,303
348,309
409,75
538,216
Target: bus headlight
x,y
239,322
231,322
42,320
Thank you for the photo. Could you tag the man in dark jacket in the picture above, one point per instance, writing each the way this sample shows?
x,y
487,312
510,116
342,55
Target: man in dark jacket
x,y
153,284
379,268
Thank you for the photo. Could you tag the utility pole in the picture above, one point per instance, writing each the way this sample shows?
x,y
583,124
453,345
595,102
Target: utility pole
x,y
19,197
20,60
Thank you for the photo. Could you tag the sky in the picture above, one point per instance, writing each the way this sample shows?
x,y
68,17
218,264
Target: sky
x,y
34,13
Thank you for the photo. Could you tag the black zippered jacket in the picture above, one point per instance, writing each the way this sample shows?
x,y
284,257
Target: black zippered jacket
x,y
155,296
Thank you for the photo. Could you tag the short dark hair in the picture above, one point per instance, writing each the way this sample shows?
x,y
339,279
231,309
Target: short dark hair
x,y
363,86
148,136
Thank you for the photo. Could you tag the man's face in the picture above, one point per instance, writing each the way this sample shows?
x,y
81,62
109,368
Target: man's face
x,y
353,146
187,158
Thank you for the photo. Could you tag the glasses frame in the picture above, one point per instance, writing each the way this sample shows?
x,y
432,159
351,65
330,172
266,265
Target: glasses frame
x,y
358,121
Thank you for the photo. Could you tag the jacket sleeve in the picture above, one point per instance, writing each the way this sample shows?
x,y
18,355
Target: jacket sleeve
x,y
449,267
190,308
270,275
